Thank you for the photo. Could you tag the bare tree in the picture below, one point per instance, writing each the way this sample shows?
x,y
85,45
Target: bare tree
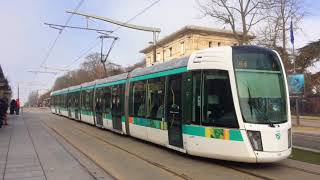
x,y
282,12
240,15
90,70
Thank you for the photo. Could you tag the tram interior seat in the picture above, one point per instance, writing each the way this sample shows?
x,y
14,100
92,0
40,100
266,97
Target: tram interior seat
x,y
142,110
160,112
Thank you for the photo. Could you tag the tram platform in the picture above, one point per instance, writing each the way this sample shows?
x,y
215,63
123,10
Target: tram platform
x,y
29,151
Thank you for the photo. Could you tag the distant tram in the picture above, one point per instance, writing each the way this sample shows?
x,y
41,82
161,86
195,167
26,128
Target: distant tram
x,y
228,103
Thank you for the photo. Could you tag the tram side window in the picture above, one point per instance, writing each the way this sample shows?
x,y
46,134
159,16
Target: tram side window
x,y
139,99
90,100
218,102
107,99
196,101
98,100
69,100
155,98
86,100
76,100
65,100
83,98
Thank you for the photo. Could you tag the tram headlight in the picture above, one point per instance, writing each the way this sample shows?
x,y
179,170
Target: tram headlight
x,y
255,140
289,138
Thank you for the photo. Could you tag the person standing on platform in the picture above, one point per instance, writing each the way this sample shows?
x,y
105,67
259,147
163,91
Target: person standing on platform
x,y
6,105
12,106
17,106
2,110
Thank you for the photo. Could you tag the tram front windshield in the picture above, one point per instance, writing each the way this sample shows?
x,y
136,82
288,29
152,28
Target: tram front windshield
x,y
260,86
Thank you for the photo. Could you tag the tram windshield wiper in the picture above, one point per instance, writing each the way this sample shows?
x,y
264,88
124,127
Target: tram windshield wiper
x,y
258,109
250,101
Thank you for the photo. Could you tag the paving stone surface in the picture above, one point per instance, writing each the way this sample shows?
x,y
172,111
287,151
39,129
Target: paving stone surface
x,y
29,152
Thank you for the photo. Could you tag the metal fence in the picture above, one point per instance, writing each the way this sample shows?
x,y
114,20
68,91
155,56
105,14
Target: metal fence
x,y
307,105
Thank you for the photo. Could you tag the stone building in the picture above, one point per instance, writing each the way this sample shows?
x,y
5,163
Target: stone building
x,y
187,40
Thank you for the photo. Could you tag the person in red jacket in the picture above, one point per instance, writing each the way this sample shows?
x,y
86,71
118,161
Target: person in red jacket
x,y
17,106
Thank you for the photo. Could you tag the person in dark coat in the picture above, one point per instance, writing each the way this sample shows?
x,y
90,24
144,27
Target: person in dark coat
x,y
3,110
12,106
6,105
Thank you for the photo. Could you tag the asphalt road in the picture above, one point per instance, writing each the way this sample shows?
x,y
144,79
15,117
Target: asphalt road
x,y
306,140
129,158
307,122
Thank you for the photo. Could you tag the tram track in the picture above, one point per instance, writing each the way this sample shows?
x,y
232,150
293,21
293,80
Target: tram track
x,y
183,176
224,164
167,169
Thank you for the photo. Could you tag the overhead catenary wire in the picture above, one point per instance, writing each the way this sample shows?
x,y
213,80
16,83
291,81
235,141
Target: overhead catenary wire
x,y
59,35
129,20
85,52
141,12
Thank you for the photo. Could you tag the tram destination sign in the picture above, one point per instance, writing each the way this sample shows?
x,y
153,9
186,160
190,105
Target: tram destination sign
x,y
296,84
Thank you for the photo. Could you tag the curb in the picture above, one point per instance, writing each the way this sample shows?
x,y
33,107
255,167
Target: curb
x,y
306,149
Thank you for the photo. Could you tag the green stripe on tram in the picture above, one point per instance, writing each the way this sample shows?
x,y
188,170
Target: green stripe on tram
x,y
74,90
193,130
159,74
156,124
111,83
88,113
88,87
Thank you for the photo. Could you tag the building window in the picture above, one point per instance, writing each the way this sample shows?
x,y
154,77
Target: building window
x,y
170,51
210,44
158,57
219,44
182,47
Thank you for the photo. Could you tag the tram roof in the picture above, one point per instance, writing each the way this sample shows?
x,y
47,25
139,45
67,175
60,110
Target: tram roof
x,y
74,88
61,91
172,64
111,79
88,85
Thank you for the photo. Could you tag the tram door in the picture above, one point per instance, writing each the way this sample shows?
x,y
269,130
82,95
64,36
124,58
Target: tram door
x,y
116,110
99,108
173,111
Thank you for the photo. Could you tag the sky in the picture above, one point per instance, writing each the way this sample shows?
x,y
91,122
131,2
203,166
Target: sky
x,y
25,40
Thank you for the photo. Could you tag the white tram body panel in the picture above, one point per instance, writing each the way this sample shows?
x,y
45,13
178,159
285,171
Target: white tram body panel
x,y
87,119
274,139
248,142
221,59
64,113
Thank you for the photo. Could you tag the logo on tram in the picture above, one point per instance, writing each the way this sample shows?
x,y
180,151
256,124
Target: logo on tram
x,y
278,135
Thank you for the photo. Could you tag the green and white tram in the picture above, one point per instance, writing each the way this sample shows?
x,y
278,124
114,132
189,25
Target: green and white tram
x,y
227,103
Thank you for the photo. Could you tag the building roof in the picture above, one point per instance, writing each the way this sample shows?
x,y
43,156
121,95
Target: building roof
x,y
192,29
